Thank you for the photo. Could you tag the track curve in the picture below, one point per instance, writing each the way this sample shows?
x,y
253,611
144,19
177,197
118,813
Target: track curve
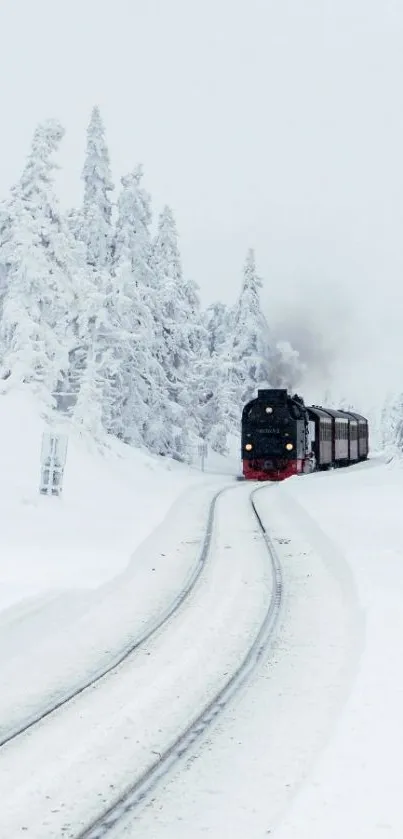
x,y
132,797
127,651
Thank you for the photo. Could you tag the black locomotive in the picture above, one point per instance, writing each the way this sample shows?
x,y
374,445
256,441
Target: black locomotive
x,y
281,436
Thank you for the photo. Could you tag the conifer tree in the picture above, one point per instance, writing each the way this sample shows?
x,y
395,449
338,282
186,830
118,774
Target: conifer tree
x,y
38,261
93,228
246,360
136,371
181,332
97,205
217,320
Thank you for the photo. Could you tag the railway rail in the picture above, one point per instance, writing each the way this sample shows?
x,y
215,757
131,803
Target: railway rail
x,y
132,797
12,733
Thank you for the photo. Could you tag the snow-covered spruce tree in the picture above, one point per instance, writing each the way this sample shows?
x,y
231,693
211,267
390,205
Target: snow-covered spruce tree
x,y
217,396
96,229
246,360
137,400
387,421
5,226
36,323
217,320
213,385
93,364
181,334
392,425
214,399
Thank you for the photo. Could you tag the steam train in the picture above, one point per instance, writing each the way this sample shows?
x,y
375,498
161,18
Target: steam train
x,y
281,437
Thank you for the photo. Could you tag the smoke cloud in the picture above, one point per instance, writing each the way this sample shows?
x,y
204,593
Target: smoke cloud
x,y
319,325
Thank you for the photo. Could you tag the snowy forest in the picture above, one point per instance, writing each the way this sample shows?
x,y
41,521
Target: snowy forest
x,y
98,319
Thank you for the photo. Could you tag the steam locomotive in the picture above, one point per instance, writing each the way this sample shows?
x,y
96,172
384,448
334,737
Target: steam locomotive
x,y
281,436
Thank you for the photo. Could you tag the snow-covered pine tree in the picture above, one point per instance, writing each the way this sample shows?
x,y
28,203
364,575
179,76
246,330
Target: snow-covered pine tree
x,y
97,205
5,225
217,320
181,334
392,424
92,225
246,361
214,387
386,432
136,385
36,255
214,399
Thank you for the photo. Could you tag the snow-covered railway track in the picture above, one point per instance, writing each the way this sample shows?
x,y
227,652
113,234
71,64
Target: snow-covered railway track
x,y
138,792
91,762
11,733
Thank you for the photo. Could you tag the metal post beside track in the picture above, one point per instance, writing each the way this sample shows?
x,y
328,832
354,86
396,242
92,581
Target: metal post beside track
x,y
53,461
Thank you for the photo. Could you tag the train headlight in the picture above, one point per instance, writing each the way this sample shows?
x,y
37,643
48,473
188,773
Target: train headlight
x,y
248,447
269,409
289,447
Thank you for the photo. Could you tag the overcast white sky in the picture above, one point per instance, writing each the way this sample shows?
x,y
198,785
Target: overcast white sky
x,y
276,124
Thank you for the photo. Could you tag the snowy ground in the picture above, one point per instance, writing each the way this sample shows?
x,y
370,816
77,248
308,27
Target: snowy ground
x,y
311,749
110,504
99,743
80,576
